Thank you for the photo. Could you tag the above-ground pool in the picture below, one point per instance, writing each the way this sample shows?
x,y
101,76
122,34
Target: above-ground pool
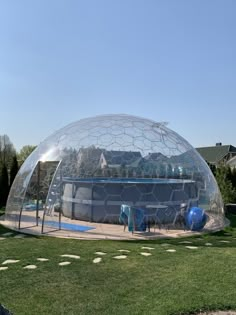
x,y
100,199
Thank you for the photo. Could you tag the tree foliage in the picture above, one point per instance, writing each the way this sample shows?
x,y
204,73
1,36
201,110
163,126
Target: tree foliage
x,y
13,169
4,185
7,150
226,179
25,151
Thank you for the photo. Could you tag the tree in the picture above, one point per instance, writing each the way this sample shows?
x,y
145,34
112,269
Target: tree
x,y
13,169
169,171
184,174
212,167
7,150
162,171
176,172
228,191
25,151
233,177
4,185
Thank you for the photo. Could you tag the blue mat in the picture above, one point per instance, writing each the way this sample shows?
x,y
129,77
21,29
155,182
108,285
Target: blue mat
x,y
69,226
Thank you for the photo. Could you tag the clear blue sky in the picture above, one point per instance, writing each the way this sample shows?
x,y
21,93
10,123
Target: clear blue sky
x,y
168,60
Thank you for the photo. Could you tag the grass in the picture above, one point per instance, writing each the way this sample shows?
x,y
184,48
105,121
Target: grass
x,y
164,283
2,211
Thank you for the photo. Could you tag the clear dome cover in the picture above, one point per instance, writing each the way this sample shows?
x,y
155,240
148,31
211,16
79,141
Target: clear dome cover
x,y
87,170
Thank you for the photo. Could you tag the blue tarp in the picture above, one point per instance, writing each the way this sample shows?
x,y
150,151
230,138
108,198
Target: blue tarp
x,y
69,226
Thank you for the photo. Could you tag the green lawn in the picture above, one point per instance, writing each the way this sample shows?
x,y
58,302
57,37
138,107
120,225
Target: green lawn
x,y
2,211
163,283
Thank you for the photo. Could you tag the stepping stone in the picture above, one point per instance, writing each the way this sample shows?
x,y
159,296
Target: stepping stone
x,y
146,254
42,259
185,242
3,268
100,253
191,247
171,250
208,244
97,260
2,238
10,261
64,263
70,256
120,257
149,248
165,244
199,239
8,234
123,250
227,234
19,236
30,267
224,241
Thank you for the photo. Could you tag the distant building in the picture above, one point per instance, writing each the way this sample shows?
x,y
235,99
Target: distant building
x,y
114,159
218,154
156,157
232,162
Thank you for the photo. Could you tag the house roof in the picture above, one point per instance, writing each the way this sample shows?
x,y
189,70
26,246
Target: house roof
x,y
121,157
156,156
90,153
216,153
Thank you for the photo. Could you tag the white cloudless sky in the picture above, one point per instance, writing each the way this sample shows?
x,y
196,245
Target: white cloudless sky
x,y
167,60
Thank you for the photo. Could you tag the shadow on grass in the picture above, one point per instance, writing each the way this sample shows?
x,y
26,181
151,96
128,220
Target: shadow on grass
x,y
206,310
4,230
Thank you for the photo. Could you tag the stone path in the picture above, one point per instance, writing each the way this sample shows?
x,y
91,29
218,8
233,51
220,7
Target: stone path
x,y
19,236
10,261
149,248
3,268
120,257
30,267
70,256
146,254
97,260
7,234
64,263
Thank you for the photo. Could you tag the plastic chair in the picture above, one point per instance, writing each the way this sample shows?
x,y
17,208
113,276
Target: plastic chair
x,y
124,214
133,217
180,217
136,220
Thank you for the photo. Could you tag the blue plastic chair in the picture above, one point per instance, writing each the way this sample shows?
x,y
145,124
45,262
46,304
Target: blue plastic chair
x,y
136,220
133,217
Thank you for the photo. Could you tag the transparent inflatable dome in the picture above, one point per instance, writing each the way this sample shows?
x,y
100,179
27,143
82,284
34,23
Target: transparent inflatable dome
x,y
99,174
